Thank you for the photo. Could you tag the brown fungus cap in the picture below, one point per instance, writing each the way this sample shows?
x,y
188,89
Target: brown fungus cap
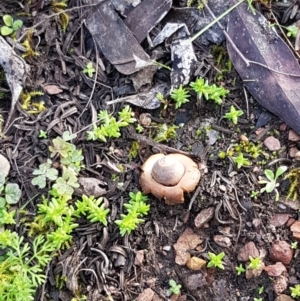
x,y
166,167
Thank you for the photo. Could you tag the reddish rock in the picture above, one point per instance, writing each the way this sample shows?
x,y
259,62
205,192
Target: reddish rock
x,y
283,298
222,241
281,252
146,295
280,284
249,249
278,220
295,228
293,136
272,144
276,269
204,216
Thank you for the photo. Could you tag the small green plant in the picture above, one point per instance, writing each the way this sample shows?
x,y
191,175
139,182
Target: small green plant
x,y
95,208
255,263
240,269
216,260
295,291
292,31
294,245
210,92
261,290
180,96
10,25
136,208
110,127
165,132
174,287
89,69
10,193
233,115
258,299
240,161
254,194
43,134
271,180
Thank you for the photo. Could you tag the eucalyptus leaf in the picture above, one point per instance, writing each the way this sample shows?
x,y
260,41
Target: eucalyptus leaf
x,y
12,193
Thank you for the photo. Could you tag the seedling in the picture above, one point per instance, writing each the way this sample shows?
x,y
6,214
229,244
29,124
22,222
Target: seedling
x,y
174,287
89,69
216,260
240,269
295,291
210,92
240,161
110,127
294,245
292,31
255,263
271,181
43,134
261,290
254,194
10,193
180,96
136,208
233,115
165,133
257,299
11,26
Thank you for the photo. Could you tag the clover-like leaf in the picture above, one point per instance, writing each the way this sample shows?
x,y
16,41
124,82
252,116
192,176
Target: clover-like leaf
x,y
2,202
6,31
17,25
12,193
67,136
39,181
8,20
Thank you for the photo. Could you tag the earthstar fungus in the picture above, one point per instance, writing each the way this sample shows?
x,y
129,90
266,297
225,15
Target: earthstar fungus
x,y
169,176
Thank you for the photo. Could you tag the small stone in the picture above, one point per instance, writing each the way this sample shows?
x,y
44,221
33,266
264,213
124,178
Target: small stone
x,y
276,269
146,295
223,188
278,220
280,284
283,298
167,248
293,136
222,241
196,263
244,138
295,205
282,127
272,144
249,249
52,89
295,228
281,251
293,152
5,166
256,222
204,216
145,119
297,155
139,257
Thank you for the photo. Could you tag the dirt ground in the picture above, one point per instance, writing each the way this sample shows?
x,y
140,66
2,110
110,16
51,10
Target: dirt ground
x,y
225,213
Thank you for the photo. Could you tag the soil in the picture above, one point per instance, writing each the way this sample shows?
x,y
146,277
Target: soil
x,y
238,216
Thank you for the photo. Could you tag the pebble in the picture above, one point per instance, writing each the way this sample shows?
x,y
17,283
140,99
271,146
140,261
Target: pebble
x,y
222,241
281,251
204,216
146,295
272,143
276,269
195,263
249,249
293,136
283,298
279,220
